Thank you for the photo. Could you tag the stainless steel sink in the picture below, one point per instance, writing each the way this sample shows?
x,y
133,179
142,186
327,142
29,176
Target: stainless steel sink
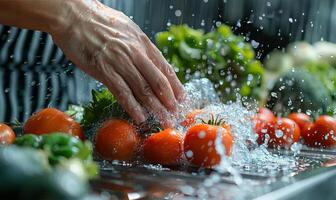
x,y
313,177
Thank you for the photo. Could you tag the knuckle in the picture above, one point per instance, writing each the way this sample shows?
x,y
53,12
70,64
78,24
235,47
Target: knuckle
x,y
168,69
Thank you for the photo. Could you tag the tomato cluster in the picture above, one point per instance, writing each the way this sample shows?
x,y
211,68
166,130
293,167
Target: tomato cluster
x,y
118,139
166,147
283,132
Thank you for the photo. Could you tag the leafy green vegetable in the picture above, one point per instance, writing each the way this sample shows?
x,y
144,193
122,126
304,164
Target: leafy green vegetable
x,y
226,59
76,112
60,147
325,72
299,91
102,106
317,60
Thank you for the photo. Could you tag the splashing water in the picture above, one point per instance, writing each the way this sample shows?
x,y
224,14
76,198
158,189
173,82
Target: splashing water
x,y
245,150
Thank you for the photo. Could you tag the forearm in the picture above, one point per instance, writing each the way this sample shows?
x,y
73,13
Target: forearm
x,y
44,15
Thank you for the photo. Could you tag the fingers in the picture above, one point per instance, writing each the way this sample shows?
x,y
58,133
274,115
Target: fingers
x,y
125,98
161,63
158,82
143,92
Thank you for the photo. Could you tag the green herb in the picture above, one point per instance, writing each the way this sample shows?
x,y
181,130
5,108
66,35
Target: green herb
x,y
102,107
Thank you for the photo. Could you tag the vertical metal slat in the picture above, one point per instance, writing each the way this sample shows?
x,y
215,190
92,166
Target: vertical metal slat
x,y
27,106
2,96
13,94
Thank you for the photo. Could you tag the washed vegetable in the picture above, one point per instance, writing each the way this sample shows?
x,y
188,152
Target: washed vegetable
x,y
117,140
76,112
26,174
226,59
7,135
264,122
29,140
102,107
200,143
322,133
59,184
285,133
164,147
299,91
318,60
51,120
301,119
60,148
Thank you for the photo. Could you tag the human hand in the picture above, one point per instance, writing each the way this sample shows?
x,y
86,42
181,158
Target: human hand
x,y
110,47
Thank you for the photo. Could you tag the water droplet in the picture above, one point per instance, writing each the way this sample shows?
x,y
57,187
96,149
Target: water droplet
x,y
278,133
178,13
273,94
254,44
189,154
201,134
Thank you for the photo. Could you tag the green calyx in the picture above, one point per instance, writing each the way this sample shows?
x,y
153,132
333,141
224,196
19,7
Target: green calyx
x,y
214,120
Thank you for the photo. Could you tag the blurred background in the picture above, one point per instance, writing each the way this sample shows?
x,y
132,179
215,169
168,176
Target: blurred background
x,y
34,73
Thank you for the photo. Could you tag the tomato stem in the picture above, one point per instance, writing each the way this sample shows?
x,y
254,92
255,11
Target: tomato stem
x,y
214,120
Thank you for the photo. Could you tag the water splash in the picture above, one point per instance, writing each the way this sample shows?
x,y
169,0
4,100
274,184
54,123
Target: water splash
x,y
246,152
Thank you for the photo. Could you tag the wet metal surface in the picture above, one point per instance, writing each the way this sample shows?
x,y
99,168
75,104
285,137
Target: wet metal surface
x,y
312,176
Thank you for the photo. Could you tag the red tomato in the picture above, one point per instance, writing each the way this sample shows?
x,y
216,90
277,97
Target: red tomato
x,y
7,135
306,132
285,133
164,147
264,122
266,115
300,118
117,140
322,133
199,144
190,117
51,120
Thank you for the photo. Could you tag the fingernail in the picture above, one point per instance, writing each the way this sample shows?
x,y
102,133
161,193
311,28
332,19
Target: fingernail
x,y
173,106
181,97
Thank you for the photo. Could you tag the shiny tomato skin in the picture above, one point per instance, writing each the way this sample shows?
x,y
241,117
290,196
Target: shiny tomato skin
x,y
117,140
190,117
199,144
7,135
265,115
290,133
263,123
308,133
300,118
164,147
262,129
322,133
51,120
